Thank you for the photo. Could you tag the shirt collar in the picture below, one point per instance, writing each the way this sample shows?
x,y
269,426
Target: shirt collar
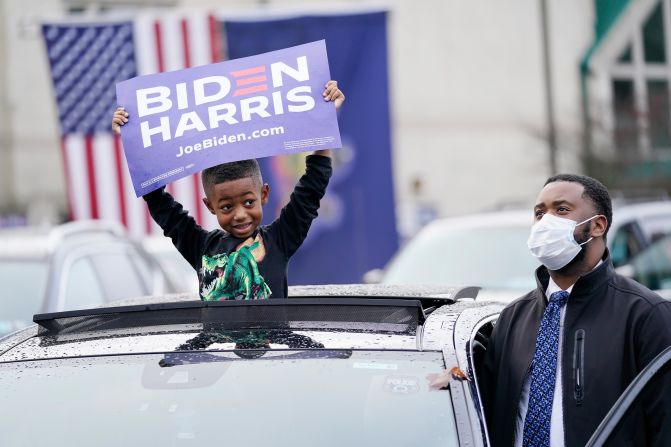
x,y
553,287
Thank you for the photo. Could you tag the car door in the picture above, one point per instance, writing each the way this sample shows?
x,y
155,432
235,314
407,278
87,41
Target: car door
x,y
654,381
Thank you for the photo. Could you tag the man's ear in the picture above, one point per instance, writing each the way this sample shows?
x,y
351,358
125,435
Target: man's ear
x,y
599,225
265,192
208,204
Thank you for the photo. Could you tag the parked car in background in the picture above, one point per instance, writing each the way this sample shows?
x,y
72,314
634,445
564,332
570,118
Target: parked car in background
x,y
179,270
652,267
487,249
329,366
71,266
490,250
635,227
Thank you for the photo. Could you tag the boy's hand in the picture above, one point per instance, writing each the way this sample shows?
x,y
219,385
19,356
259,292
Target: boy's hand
x,y
333,93
119,119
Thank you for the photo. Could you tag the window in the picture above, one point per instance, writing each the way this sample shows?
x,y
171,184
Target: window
x,y
286,398
23,285
658,114
82,286
653,37
626,127
625,245
118,276
640,92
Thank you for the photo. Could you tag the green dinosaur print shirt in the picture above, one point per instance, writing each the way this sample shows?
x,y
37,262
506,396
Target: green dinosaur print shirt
x,y
255,268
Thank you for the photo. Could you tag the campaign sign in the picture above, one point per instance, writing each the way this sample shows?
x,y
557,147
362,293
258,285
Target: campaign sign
x,y
184,121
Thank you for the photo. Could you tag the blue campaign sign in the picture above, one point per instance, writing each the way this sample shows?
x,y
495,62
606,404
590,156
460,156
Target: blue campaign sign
x,y
184,121
356,228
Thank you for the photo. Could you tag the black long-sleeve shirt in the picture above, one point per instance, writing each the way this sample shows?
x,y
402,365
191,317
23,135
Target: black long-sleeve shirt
x,y
279,240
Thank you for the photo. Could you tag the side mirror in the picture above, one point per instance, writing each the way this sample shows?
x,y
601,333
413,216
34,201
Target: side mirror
x,y
373,276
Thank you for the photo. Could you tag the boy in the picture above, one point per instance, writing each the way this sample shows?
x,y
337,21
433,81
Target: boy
x,y
245,260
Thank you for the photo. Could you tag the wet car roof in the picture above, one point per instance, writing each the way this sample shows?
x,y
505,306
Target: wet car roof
x,y
370,321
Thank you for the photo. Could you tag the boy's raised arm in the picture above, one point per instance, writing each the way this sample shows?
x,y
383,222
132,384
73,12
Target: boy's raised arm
x,y
331,93
296,217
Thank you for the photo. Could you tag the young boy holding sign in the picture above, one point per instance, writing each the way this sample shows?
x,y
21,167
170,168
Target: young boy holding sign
x,y
245,260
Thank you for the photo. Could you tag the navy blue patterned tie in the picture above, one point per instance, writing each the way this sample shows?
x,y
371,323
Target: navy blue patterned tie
x,y
543,375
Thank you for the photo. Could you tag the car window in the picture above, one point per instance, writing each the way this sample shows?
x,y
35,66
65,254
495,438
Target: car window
x,y
23,287
119,276
656,227
287,398
488,257
82,286
625,244
652,267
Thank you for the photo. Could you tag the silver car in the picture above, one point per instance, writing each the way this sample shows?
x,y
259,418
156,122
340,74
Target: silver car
x,y
71,266
489,249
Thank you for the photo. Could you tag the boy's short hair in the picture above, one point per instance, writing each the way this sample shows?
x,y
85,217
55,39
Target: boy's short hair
x,y
234,170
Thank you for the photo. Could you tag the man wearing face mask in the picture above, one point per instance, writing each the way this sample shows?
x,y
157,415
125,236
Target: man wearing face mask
x,y
560,356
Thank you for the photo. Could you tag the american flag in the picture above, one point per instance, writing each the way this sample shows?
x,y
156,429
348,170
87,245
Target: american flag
x,y
87,60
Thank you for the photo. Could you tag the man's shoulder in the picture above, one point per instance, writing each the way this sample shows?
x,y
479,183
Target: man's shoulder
x,y
634,291
519,306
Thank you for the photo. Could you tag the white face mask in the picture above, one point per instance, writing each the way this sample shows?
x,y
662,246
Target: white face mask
x,y
552,242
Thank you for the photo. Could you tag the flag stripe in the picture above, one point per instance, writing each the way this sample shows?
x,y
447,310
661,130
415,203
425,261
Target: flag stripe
x,y
68,179
159,47
91,174
185,43
119,165
216,40
145,44
74,146
102,147
199,40
173,53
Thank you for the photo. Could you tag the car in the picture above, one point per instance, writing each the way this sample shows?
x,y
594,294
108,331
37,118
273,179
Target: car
x,y
489,249
71,266
652,267
635,227
329,366
346,365
471,249
179,270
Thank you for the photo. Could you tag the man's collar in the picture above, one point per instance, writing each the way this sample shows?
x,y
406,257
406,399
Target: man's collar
x,y
586,283
553,287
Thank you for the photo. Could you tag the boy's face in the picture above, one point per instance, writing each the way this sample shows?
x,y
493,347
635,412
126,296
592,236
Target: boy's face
x,y
238,205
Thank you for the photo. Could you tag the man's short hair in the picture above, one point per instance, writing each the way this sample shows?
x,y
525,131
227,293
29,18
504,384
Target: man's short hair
x,y
595,191
234,170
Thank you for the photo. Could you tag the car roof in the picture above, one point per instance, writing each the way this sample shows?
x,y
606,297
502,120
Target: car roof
x,y
38,242
514,218
336,321
627,212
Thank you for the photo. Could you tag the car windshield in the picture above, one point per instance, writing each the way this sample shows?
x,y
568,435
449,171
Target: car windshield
x,y
492,257
284,398
23,287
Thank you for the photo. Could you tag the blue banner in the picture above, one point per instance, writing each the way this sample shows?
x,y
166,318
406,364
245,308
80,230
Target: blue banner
x,y
356,228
